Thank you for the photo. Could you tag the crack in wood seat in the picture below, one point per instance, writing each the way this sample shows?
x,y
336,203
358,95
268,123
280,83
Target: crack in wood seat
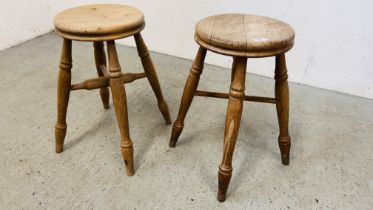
x,y
99,22
248,35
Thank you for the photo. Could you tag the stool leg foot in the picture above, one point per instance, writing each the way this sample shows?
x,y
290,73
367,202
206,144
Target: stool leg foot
x,y
284,145
60,133
189,91
224,177
282,105
232,125
63,94
120,105
151,74
177,128
100,59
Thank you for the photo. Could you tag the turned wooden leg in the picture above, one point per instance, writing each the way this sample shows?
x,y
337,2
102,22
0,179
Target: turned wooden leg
x,y
234,66
120,105
282,105
232,125
151,74
63,94
100,59
189,91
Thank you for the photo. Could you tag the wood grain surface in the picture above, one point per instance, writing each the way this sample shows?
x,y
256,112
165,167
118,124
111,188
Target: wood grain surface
x,y
99,22
244,35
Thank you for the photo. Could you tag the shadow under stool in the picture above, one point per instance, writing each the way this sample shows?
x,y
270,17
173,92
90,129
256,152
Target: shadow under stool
x,y
98,24
241,36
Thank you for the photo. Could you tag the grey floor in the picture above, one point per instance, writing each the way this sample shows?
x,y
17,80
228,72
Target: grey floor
x,y
331,156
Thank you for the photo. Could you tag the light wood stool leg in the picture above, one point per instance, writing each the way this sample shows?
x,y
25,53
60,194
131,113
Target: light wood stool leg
x,y
232,125
234,67
63,94
189,91
151,74
100,59
282,105
120,105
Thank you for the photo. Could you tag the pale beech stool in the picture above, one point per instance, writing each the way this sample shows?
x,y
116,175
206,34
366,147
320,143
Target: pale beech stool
x,y
241,36
98,24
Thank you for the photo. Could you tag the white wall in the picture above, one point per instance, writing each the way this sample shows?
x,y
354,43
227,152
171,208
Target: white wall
x,y
21,20
333,46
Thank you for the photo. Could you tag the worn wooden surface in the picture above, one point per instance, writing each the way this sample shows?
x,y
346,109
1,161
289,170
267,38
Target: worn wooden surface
x,y
232,125
120,105
234,64
151,74
244,35
240,36
226,96
63,94
282,105
100,59
99,22
102,82
188,94
324,166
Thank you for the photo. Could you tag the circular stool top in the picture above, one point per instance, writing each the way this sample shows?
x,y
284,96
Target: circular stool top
x,y
244,35
99,22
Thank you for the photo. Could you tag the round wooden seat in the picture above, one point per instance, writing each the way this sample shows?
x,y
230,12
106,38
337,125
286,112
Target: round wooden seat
x,y
244,35
99,22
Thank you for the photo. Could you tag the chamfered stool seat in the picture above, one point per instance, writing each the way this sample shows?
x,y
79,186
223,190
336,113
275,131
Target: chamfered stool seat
x,y
99,22
104,23
248,35
240,36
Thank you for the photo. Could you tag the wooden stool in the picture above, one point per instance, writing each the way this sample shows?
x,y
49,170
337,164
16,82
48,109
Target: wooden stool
x,y
99,23
240,36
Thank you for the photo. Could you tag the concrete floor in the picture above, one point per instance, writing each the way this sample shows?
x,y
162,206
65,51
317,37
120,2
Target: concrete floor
x,y
331,156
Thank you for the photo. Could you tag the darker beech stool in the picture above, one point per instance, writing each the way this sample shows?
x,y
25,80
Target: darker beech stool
x,y
98,24
240,36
